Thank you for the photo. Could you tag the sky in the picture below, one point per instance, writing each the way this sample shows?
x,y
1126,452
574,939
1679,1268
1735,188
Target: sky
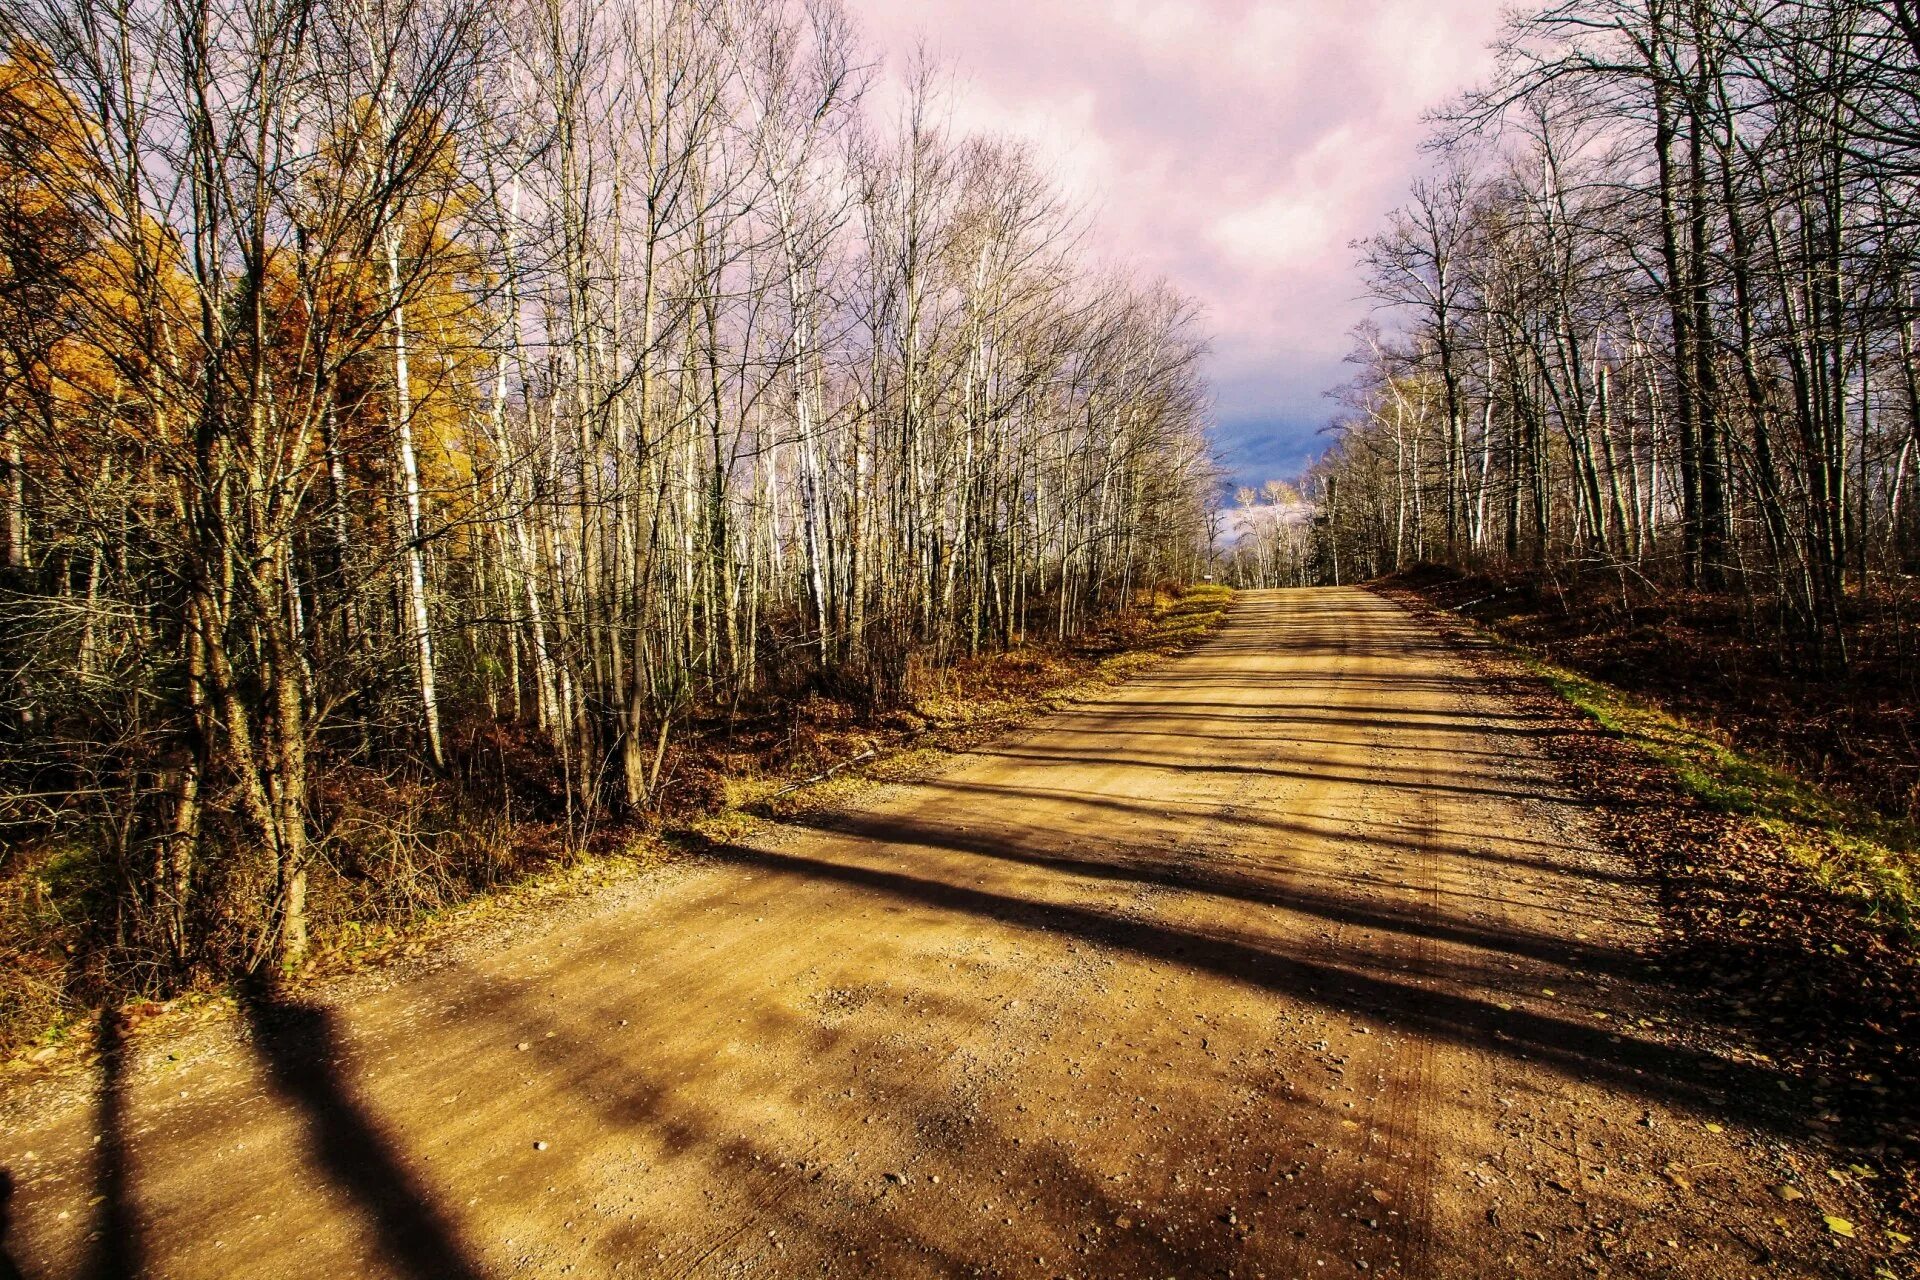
x,y
1234,147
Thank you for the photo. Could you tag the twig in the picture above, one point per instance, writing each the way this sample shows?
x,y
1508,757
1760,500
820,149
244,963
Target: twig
x,y
868,754
1504,591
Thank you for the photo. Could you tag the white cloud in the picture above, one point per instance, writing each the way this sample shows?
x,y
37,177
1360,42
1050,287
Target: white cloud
x,y
1286,231
1234,146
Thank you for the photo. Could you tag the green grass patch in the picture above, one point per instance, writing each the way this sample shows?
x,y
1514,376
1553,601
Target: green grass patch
x,y
1851,850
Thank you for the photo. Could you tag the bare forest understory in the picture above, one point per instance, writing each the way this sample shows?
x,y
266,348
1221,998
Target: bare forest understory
x,y
1715,659
1295,955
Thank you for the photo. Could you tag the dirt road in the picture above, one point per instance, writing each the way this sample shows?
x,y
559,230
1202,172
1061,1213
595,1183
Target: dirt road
x,y
1287,959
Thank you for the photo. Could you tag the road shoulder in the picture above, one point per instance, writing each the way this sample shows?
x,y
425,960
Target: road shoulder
x,y
1759,960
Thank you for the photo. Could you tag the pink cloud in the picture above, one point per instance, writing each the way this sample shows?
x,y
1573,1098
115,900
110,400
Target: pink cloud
x,y
1234,146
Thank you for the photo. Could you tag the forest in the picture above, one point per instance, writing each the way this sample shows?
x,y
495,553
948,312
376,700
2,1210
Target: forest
x,y
421,415
1646,333
627,648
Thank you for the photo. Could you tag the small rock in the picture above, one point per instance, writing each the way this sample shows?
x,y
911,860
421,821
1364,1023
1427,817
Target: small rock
x,y
539,1146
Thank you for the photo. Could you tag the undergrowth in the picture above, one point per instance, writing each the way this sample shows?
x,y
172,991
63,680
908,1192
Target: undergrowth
x,y
1853,851
973,698
392,883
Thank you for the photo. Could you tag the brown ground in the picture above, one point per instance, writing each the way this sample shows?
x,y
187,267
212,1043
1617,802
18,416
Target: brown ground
x,y
1722,661
1289,959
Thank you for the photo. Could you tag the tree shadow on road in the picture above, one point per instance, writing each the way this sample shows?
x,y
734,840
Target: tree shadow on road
x,y
298,1045
1673,1074
8,1269
1436,840
761,1186
1150,865
120,1252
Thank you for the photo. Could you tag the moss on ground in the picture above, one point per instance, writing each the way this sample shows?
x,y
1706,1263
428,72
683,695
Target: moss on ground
x,y
1852,851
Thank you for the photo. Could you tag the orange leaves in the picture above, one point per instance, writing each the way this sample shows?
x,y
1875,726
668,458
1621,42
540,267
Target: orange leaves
x,y
88,287
46,156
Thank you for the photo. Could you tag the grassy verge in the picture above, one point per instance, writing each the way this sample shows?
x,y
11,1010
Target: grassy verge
x,y
1853,852
1788,910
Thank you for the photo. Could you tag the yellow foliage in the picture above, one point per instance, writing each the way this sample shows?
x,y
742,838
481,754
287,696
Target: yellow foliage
x,y
85,285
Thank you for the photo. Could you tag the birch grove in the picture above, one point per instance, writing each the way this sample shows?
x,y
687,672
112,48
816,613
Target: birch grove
x,y
1653,317
421,406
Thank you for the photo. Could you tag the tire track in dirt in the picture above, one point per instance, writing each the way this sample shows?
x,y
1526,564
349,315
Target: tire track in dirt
x,y
1408,1086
